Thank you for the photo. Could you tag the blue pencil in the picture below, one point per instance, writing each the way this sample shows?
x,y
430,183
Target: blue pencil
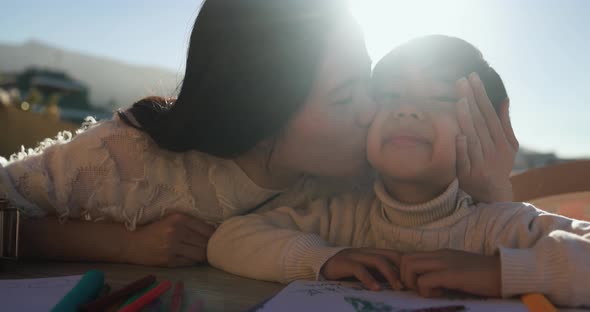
x,y
86,290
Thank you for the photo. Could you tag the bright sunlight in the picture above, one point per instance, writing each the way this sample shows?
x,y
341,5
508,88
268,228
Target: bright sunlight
x,y
388,23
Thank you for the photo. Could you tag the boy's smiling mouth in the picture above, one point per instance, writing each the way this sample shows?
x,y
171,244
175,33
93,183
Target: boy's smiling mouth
x,y
406,139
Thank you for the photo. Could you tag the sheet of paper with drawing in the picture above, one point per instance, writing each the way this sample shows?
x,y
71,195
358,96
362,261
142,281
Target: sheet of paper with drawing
x,y
344,296
38,294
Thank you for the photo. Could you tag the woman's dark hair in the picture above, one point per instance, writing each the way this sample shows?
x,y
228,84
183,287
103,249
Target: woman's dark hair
x,y
250,66
458,55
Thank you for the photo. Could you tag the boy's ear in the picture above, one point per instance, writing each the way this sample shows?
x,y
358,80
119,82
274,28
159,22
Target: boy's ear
x,y
504,115
265,144
504,111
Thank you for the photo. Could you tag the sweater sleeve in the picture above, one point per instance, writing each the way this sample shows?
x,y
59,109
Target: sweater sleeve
x,y
286,244
544,253
34,179
98,174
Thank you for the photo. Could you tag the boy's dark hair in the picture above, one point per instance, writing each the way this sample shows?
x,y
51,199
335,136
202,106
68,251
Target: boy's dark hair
x,y
439,50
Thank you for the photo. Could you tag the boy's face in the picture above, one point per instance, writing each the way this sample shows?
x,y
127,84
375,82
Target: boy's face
x,y
413,136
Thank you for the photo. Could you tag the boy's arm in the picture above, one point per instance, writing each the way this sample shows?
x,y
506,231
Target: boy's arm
x,y
284,244
542,252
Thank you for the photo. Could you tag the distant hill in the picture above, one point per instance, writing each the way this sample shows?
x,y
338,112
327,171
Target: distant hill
x,y
110,81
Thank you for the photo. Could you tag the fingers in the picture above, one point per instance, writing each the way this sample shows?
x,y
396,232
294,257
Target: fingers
x,y
383,265
463,162
392,255
191,238
195,254
414,266
487,109
431,284
359,263
474,148
199,226
362,274
190,245
481,129
465,91
507,125
194,224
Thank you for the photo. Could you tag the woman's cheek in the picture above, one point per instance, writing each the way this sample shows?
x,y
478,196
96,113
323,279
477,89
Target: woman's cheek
x,y
374,141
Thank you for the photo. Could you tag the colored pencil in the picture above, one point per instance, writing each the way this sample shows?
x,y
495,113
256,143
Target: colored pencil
x,y
104,302
176,302
85,290
538,303
104,291
147,297
196,306
139,294
154,306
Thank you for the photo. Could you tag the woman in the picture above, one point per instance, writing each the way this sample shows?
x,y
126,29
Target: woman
x,y
274,95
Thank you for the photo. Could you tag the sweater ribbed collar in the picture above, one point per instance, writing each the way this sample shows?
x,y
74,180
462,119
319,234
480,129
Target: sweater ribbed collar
x,y
408,215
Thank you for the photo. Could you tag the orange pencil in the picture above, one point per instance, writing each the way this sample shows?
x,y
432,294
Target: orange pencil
x,y
538,303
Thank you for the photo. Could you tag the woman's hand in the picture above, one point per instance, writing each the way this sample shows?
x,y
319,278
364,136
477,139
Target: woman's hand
x,y
176,240
428,273
488,146
362,263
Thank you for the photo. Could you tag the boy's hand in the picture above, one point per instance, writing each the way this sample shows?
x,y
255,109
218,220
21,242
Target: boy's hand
x,y
176,240
360,263
488,146
428,273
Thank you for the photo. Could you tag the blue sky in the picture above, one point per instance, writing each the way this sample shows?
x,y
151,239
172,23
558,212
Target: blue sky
x,y
540,47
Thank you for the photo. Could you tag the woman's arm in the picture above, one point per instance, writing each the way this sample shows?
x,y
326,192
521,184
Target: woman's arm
x,y
46,238
176,240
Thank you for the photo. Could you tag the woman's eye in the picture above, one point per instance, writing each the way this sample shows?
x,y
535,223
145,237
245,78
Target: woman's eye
x,y
446,99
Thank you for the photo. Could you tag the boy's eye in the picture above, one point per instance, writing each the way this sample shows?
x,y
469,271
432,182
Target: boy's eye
x,y
446,99
389,96
346,101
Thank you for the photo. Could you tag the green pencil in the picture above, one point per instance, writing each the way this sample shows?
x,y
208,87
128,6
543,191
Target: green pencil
x,y
139,294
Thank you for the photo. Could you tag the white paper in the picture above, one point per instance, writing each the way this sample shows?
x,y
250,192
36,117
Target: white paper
x,y
352,297
38,294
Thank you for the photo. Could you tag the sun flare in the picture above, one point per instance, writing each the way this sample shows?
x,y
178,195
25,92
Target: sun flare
x,y
388,23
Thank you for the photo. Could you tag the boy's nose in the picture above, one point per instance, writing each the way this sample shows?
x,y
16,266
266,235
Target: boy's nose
x,y
407,111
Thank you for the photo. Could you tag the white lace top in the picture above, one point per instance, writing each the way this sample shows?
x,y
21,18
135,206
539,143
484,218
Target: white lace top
x,y
112,171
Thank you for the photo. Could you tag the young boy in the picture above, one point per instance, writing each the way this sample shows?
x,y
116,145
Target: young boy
x,y
417,229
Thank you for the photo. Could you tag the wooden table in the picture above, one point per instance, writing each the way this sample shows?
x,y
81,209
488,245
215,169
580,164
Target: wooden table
x,y
219,290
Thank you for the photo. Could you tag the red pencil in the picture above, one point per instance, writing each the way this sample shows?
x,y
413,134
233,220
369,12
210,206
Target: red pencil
x,y
101,304
148,297
176,303
196,306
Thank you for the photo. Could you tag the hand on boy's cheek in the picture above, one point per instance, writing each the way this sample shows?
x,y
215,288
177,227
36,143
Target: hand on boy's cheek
x,y
428,273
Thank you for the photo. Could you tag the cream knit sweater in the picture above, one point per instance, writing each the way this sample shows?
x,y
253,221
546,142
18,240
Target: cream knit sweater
x,y
539,251
112,171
